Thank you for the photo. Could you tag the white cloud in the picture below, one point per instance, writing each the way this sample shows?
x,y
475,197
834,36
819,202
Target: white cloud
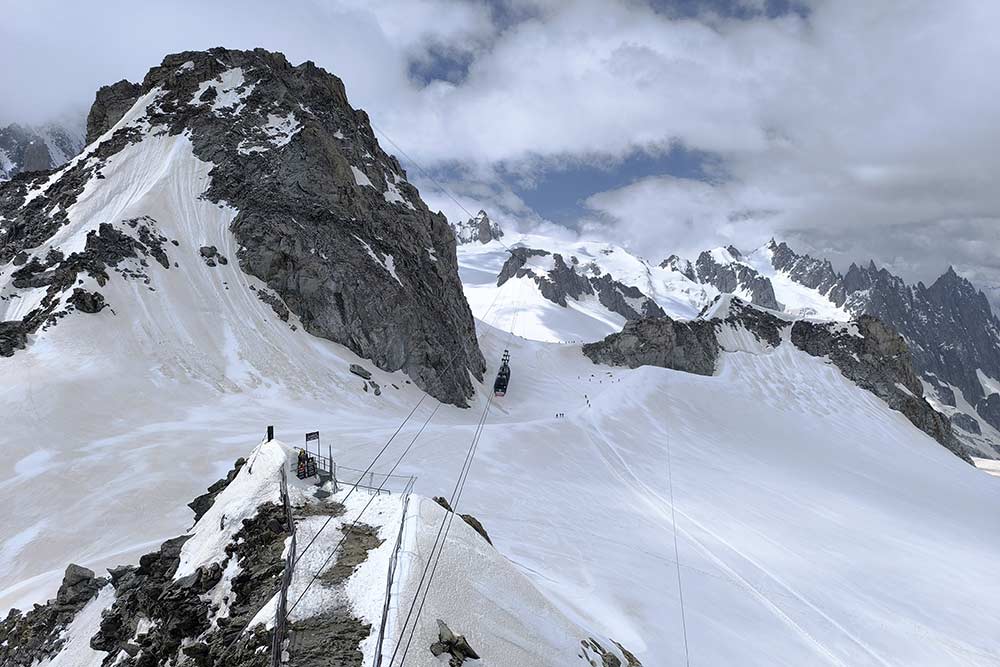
x,y
865,127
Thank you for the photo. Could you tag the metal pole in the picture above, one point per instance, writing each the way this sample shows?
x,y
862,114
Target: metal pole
x,y
334,466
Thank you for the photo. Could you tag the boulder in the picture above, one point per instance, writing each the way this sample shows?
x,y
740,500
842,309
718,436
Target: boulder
x,y
361,372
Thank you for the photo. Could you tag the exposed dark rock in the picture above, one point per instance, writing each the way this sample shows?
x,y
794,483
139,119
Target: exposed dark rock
x,y
949,327
87,302
475,523
606,657
204,502
966,423
26,639
877,359
110,104
682,266
13,336
361,372
211,254
989,409
518,257
477,526
455,646
659,341
273,300
79,586
735,276
626,300
478,229
803,269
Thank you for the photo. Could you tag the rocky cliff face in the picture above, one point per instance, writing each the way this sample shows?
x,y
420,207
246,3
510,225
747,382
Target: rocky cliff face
x,y
479,229
866,351
691,347
730,276
325,218
557,281
26,149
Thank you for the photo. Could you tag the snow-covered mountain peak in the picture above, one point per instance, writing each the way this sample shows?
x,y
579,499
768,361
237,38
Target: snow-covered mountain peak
x,y
27,149
240,154
478,229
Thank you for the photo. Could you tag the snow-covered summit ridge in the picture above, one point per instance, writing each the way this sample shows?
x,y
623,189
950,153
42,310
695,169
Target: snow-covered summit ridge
x,y
358,260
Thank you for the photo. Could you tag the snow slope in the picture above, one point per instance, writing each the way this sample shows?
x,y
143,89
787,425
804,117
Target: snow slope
x,y
814,525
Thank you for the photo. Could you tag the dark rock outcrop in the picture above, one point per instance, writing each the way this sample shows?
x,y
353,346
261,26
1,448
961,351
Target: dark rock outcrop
x,y
211,255
866,351
87,302
966,422
473,522
949,326
455,646
989,409
13,336
361,372
104,250
660,341
478,229
110,104
26,639
204,502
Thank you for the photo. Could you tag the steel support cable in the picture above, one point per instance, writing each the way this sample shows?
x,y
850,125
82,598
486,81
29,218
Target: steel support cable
x,y
423,397
327,522
440,540
399,460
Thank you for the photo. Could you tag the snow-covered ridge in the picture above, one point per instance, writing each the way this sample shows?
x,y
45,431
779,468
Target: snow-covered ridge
x,y
222,574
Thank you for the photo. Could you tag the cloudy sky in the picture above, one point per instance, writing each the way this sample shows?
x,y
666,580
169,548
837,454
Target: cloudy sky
x,y
852,129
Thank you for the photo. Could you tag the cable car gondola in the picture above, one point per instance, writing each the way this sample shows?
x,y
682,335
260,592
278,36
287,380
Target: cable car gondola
x,y
503,376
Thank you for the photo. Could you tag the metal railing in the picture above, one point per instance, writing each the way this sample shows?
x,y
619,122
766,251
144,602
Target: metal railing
x,y
393,561
281,611
374,482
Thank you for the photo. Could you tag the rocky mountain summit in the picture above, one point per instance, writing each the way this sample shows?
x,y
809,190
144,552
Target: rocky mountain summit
x,y
25,148
724,270
558,281
865,350
318,212
479,229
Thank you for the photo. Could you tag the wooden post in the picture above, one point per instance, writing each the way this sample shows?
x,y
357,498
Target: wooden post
x,y
270,433
334,466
